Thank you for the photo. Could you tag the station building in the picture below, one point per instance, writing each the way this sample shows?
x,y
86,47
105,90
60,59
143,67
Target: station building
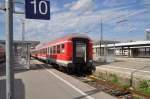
x,y
134,49
99,47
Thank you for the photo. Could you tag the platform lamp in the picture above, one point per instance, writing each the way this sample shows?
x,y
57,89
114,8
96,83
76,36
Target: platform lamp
x,y
8,8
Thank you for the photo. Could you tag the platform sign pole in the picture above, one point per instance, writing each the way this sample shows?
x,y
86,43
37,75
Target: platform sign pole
x,y
9,50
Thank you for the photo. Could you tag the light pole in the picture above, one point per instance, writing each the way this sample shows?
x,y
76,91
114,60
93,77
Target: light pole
x,y
9,49
8,8
101,37
23,30
23,36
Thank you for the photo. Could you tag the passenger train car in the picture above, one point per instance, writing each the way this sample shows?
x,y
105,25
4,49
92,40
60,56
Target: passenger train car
x,y
2,53
73,53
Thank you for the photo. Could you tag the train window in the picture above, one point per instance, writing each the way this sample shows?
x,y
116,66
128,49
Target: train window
x,y
62,50
42,51
58,49
45,50
54,49
80,50
51,50
48,50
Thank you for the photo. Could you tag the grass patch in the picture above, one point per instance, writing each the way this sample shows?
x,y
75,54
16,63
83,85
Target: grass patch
x,y
113,78
125,86
144,87
138,97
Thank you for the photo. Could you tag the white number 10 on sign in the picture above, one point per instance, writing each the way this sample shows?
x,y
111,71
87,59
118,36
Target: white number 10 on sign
x,y
37,9
40,5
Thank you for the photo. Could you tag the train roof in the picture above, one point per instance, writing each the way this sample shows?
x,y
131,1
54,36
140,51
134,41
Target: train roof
x,y
66,37
74,35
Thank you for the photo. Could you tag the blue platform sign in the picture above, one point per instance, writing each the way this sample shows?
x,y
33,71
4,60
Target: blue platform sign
x,y
37,9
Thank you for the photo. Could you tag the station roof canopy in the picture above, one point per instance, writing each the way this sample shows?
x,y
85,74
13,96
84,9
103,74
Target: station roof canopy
x,y
105,42
19,42
128,44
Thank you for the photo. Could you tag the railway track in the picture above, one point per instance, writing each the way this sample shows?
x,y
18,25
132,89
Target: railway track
x,y
108,87
116,90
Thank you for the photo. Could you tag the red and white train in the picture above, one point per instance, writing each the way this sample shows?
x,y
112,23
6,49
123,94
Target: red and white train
x,y
74,53
2,53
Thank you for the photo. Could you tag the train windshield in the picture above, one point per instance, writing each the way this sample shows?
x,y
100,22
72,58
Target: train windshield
x,y
81,50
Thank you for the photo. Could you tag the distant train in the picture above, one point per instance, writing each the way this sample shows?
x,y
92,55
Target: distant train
x,y
2,53
72,53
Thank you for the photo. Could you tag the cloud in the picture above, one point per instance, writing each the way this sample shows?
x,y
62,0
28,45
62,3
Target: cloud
x,y
69,5
54,9
119,3
145,2
67,22
70,21
82,5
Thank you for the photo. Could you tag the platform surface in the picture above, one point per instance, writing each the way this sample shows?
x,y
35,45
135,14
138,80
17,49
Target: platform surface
x,y
44,82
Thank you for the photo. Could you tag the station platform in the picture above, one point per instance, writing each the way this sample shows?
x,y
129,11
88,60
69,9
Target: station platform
x,y
44,82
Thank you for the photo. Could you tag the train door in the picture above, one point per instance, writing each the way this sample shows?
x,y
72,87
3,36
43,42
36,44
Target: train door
x,y
80,51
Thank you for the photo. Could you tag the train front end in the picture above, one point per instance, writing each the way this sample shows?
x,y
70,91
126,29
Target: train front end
x,y
82,55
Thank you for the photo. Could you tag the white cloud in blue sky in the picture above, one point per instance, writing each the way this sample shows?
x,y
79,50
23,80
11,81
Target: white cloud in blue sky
x,y
72,16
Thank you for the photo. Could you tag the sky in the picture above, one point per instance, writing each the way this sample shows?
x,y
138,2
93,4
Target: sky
x,y
122,20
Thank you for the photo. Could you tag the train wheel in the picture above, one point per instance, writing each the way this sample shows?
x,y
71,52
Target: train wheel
x,y
89,71
68,70
55,66
71,70
78,70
